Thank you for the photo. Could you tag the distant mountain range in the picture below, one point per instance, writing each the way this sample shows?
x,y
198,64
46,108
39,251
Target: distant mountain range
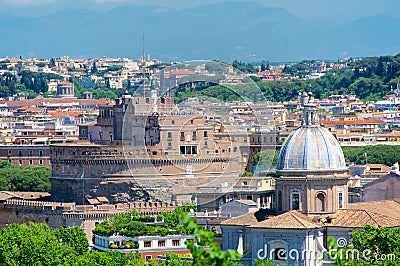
x,y
226,31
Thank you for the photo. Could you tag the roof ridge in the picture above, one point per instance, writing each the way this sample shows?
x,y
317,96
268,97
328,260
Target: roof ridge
x,y
298,218
378,214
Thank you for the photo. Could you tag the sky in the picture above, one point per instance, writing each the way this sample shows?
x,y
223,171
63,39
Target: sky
x,y
323,9
312,29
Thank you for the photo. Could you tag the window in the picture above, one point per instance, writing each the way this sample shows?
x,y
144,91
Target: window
x,y
40,153
191,121
340,199
295,199
40,162
30,162
161,243
19,153
30,153
182,136
169,144
148,257
147,244
188,149
194,136
9,152
169,135
320,202
205,134
176,243
173,122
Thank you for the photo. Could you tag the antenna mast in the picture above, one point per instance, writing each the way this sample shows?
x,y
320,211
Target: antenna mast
x,y
143,47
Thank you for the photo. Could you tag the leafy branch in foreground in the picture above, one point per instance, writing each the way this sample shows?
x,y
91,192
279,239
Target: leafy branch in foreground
x,y
204,249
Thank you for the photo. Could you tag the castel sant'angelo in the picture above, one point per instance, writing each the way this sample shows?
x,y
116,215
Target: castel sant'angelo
x,y
142,148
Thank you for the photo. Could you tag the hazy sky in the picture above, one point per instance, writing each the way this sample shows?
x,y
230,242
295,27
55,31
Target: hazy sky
x,y
325,9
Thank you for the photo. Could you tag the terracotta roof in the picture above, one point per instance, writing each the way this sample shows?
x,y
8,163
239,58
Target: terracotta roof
x,y
352,122
4,195
389,208
251,218
65,82
58,113
360,218
288,220
93,201
103,199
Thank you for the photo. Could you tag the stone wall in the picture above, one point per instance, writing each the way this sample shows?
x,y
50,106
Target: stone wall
x,y
84,170
57,214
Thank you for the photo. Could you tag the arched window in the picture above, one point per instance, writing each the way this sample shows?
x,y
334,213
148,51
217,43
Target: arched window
x,y
320,201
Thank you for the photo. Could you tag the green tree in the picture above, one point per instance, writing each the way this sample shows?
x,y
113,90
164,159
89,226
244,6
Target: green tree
x,y
52,63
374,245
204,249
30,245
94,68
73,237
17,178
383,154
266,157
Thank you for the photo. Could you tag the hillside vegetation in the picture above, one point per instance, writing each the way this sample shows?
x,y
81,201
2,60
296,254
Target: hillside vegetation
x,y
369,79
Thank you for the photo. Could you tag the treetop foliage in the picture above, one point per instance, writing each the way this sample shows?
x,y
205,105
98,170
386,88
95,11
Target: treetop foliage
x,y
30,178
380,154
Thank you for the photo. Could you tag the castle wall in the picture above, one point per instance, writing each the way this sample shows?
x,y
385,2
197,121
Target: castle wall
x,y
57,214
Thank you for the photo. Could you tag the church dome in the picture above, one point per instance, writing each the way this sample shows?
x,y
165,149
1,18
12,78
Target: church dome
x,y
310,148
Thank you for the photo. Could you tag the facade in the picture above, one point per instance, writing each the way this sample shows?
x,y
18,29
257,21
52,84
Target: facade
x,y
65,89
384,188
150,247
26,155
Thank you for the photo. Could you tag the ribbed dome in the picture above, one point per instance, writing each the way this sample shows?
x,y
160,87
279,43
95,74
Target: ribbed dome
x,y
311,148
